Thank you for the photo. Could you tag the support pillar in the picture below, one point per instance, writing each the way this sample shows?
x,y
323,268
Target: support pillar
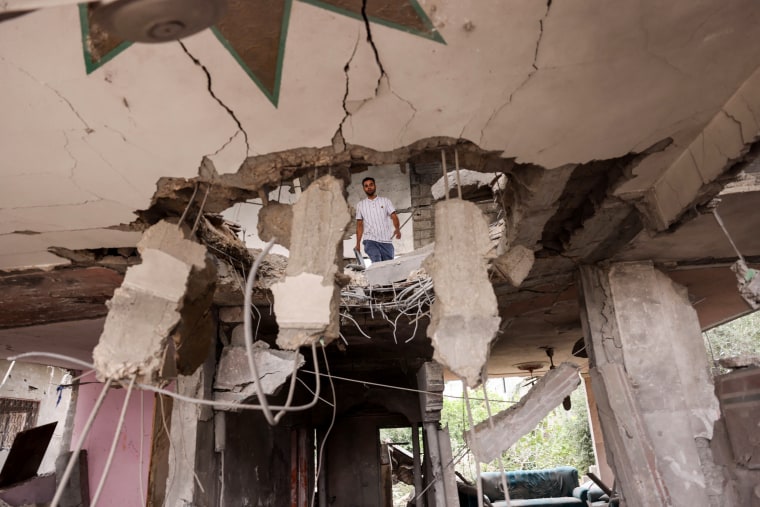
x,y
193,472
604,471
650,377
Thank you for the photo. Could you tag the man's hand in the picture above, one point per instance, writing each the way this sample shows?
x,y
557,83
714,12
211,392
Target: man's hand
x,y
358,248
398,234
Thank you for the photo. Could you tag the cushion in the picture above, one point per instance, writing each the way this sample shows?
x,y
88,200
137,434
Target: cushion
x,y
564,501
531,484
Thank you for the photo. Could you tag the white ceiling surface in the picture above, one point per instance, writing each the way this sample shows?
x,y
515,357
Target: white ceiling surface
x,y
582,81
74,338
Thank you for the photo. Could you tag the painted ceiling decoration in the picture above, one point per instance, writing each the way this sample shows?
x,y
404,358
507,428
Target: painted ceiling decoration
x,y
254,32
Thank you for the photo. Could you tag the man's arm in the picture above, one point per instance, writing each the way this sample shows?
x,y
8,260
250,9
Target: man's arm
x,y
396,226
359,232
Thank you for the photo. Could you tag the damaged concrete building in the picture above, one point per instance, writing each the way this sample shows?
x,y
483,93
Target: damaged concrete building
x,y
579,177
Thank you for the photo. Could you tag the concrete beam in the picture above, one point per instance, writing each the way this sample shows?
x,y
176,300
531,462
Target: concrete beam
x,y
723,142
490,438
530,199
306,302
167,296
464,318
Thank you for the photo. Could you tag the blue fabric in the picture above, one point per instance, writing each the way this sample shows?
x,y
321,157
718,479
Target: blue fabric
x,y
534,484
378,251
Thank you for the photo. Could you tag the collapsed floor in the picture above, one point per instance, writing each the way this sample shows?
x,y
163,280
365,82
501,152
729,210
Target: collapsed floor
x,y
377,332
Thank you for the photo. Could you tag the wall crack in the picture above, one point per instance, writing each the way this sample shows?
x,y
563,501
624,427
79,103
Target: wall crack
x,y
213,95
339,140
738,123
534,65
374,48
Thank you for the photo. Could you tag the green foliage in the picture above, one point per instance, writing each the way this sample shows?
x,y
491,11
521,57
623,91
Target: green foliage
x,y
738,337
562,438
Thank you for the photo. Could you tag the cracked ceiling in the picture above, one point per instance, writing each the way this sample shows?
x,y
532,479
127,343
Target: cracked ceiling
x,y
613,122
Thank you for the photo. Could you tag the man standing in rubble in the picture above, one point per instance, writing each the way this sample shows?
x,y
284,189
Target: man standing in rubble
x,y
374,216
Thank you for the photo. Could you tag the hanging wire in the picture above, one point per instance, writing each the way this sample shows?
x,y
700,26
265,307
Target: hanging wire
x,y
329,428
479,482
456,164
52,355
142,444
8,373
728,236
490,425
75,452
200,210
115,441
184,213
445,174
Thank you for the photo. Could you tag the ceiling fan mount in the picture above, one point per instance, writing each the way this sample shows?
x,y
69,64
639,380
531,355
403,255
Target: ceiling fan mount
x,y
136,20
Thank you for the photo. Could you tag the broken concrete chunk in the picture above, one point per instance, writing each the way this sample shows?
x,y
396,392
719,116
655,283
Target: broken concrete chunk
x,y
470,181
307,313
167,296
743,361
276,221
398,269
515,264
490,438
464,317
233,375
306,302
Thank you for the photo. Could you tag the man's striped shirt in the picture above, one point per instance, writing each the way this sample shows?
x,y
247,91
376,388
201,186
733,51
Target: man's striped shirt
x,y
375,216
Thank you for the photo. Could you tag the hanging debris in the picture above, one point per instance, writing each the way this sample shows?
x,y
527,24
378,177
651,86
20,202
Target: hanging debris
x,y
162,306
515,264
276,221
464,317
490,438
748,281
306,301
234,382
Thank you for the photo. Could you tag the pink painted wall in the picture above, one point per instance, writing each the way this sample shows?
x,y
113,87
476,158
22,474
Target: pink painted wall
x,y
122,487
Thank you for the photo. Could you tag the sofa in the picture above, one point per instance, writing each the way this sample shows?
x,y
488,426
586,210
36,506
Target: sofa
x,y
555,487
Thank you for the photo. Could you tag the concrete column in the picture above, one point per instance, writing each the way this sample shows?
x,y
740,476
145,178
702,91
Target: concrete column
x,y
597,437
193,471
650,378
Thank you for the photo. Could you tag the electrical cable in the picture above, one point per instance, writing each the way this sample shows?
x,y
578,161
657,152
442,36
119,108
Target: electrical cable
x,y
445,175
52,355
490,424
8,373
329,428
75,452
248,333
306,386
728,236
356,324
265,408
115,441
235,405
200,211
143,499
184,213
479,482
456,165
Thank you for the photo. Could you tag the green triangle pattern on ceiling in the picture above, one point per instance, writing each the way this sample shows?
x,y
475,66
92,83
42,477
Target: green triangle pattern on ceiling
x,y
257,42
